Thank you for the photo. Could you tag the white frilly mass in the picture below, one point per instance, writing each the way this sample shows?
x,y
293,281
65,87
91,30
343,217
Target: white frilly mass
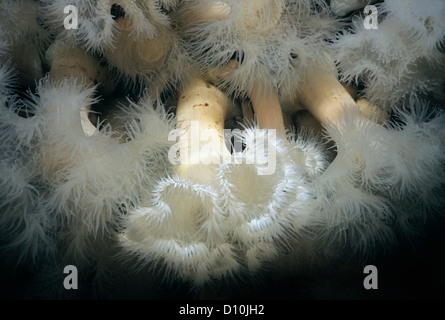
x,y
64,192
401,62
237,222
82,181
68,196
376,188
376,170
124,51
273,41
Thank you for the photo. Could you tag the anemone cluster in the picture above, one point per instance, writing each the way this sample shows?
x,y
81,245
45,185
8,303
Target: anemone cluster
x,y
336,149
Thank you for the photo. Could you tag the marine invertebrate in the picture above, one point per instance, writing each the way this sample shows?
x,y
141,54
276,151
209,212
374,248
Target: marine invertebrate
x,y
340,153
135,39
409,69
251,33
24,224
180,224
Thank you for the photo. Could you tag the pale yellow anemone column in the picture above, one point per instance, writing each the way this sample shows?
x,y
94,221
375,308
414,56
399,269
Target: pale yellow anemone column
x,y
202,109
327,99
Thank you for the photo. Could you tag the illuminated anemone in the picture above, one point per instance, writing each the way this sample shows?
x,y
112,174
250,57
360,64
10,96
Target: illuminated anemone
x,y
114,148
135,39
400,63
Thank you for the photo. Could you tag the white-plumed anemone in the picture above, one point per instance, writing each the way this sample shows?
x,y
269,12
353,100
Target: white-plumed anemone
x,y
182,229
267,195
179,224
146,16
244,218
392,62
376,166
136,39
350,216
79,186
87,179
418,177
421,129
271,40
96,20
24,223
